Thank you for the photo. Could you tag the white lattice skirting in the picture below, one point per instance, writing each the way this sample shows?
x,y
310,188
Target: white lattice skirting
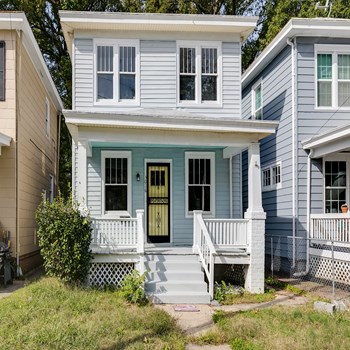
x,y
322,268
104,274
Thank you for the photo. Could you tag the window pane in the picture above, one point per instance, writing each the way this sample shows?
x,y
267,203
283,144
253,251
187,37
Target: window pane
x,y
187,60
209,61
108,170
113,171
127,86
258,97
187,88
344,67
324,66
116,197
125,171
105,58
191,171
127,57
343,94
324,94
104,86
199,198
209,88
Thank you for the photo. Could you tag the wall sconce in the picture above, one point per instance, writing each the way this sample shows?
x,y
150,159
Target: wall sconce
x,y
138,177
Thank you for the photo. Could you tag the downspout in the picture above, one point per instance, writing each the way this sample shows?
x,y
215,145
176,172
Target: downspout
x,y
58,138
294,140
308,214
18,79
231,194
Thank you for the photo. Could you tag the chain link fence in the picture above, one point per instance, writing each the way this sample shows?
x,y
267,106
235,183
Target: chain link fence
x,y
321,267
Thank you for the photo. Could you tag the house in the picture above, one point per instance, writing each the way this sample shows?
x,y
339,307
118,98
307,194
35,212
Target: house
x,y
157,132
301,79
29,137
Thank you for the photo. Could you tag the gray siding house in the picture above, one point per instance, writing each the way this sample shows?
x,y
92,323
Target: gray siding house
x,y
302,80
157,132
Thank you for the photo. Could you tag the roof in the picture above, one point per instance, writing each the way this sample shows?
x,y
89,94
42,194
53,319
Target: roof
x,y
169,120
18,21
79,20
307,27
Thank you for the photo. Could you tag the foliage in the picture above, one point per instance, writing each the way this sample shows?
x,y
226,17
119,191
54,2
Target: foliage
x,y
240,344
64,238
275,283
132,288
48,314
221,290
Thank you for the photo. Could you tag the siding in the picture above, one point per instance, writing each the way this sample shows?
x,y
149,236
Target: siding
x,y
310,123
182,227
236,186
277,105
83,73
8,127
37,152
158,74
158,78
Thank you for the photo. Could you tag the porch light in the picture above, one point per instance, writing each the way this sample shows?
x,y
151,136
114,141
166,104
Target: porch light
x,y
138,177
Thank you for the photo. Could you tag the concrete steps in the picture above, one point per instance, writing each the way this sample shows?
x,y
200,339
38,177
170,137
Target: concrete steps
x,y
175,279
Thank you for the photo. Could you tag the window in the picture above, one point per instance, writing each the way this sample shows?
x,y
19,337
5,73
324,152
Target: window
x,y
47,117
116,72
272,177
198,72
257,102
52,188
335,185
200,180
333,76
116,182
2,71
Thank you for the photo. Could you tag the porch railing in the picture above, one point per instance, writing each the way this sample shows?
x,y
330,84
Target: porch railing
x,y
330,227
119,233
228,232
204,247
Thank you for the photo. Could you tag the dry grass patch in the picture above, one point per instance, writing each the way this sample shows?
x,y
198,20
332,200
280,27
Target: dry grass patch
x,y
48,315
283,328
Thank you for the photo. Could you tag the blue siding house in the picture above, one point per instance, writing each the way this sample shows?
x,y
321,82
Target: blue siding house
x,y
157,136
302,80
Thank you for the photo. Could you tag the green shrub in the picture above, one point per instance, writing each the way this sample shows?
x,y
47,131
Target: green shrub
x,y
133,288
64,238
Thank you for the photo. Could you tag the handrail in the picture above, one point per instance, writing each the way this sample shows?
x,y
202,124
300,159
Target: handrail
x,y
331,227
205,248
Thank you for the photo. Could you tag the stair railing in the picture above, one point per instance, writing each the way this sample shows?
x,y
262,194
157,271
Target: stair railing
x,y
203,245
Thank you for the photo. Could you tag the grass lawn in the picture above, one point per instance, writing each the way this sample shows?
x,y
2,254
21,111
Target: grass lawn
x,y
281,328
48,315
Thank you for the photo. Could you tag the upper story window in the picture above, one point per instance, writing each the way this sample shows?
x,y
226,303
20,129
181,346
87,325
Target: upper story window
x,y
199,73
116,72
116,182
333,76
2,71
200,182
257,101
272,177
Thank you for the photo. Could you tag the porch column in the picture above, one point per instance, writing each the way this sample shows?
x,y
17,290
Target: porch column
x,y
81,175
255,271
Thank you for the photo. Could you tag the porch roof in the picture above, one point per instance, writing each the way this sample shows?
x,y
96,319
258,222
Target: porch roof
x,y
334,140
4,141
170,125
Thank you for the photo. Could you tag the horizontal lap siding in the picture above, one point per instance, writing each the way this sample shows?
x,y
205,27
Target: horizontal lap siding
x,y
158,74
312,122
182,227
83,73
236,187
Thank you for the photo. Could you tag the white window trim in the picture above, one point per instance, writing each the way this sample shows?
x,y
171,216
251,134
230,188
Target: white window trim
x,y
272,186
198,45
335,158
116,154
253,97
334,50
116,43
201,155
47,117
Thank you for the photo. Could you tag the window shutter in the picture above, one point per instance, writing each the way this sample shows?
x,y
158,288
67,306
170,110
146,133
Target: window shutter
x,y
2,71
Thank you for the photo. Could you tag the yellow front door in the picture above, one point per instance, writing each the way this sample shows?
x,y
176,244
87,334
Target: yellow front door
x,y
158,202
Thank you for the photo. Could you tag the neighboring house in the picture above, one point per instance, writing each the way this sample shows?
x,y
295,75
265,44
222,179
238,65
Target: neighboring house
x,y
302,79
29,108
157,134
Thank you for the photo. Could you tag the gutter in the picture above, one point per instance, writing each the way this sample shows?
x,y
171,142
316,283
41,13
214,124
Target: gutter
x,y
294,146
